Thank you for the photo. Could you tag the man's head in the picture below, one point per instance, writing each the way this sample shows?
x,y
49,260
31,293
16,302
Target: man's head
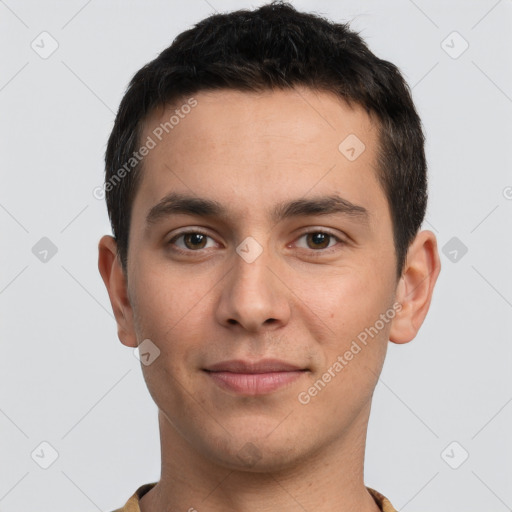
x,y
274,47
264,227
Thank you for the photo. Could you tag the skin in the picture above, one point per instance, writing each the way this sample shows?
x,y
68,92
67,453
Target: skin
x,y
301,300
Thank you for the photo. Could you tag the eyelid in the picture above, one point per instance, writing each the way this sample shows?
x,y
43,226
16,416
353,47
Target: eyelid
x,y
187,231
327,231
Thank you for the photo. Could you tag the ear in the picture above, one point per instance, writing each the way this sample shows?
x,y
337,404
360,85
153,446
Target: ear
x,y
114,278
415,288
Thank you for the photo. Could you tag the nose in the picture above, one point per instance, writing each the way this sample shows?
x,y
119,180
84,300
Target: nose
x,y
254,296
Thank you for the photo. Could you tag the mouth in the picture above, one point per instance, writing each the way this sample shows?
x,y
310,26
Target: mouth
x,y
254,378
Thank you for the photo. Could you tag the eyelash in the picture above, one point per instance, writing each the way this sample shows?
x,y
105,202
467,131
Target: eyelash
x,y
317,252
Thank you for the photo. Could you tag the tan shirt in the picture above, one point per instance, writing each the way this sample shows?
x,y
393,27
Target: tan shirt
x,y
132,505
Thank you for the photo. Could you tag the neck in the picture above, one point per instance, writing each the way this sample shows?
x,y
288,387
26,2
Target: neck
x,y
330,479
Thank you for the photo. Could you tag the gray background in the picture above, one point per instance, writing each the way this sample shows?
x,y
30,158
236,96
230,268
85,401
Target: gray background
x,y
67,380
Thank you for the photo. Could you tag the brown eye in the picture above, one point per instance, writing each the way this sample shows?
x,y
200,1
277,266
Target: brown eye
x,y
194,240
190,241
318,240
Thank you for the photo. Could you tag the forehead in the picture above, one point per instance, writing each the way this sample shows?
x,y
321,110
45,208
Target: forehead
x,y
260,146
302,115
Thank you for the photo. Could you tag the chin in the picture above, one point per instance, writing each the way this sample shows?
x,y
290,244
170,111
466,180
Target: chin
x,y
257,454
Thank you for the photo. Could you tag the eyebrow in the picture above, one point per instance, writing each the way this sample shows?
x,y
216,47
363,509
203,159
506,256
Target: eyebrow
x,y
178,203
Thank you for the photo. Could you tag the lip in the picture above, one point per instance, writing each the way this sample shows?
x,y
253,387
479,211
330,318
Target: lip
x,y
254,378
261,366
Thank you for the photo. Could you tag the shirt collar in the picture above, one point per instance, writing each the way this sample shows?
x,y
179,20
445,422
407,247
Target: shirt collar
x,y
132,505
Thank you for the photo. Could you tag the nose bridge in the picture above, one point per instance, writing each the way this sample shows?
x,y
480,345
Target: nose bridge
x,y
252,296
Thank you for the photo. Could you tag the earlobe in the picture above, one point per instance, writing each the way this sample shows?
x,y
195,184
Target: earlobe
x,y
113,276
416,286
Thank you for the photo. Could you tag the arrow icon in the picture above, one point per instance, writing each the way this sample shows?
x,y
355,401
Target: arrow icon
x,y
44,455
454,249
146,352
351,147
44,250
44,44
249,249
454,455
454,45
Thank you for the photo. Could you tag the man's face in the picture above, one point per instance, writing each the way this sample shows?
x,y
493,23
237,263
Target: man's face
x,y
260,281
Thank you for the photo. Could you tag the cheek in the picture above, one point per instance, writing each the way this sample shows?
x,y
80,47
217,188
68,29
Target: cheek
x,y
353,346
349,303
168,310
170,315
